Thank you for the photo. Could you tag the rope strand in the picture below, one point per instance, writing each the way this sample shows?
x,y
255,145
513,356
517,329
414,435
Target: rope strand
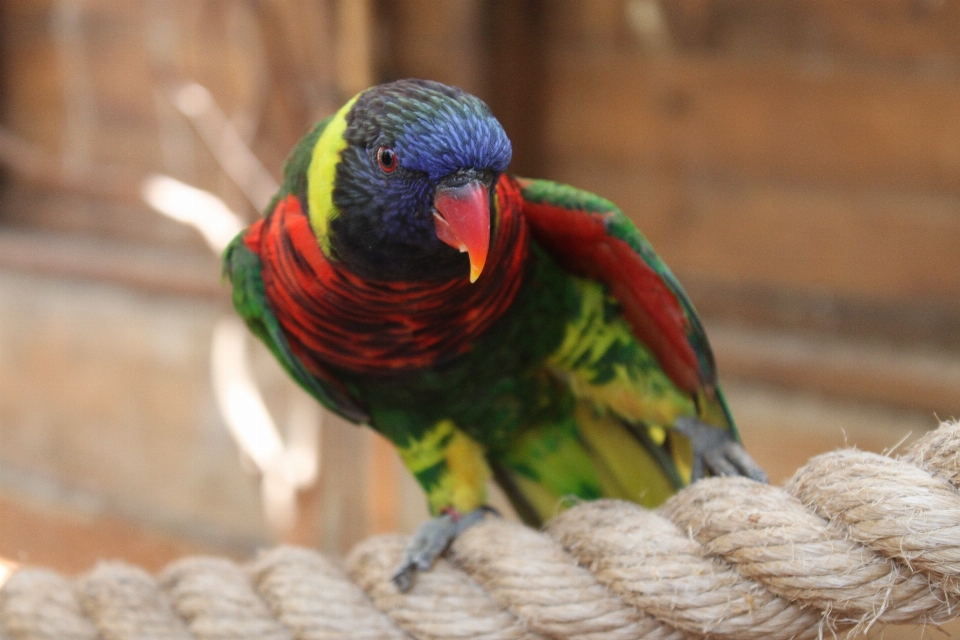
x,y
853,540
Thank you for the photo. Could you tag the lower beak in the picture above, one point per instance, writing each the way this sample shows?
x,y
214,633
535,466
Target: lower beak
x,y
462,220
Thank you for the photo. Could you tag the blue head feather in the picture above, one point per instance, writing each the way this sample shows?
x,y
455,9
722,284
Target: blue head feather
x,y
437,131
455,135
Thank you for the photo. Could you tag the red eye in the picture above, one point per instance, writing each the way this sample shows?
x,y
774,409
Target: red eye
x,y
387,159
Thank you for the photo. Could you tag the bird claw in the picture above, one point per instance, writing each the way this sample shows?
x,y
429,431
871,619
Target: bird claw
x,y
715,450
432,538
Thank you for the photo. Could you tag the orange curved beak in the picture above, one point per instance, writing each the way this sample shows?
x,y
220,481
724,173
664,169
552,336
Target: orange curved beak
x,y
462,220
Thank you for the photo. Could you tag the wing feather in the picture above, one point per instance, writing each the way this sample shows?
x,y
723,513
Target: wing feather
x,y
593,238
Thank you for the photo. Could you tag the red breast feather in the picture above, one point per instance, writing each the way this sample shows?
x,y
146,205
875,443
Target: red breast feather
x,y
334,318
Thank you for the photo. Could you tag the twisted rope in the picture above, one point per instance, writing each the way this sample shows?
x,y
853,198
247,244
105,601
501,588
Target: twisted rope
x,y
853,539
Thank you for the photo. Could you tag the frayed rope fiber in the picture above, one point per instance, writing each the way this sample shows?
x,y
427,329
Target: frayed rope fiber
x,y
854,539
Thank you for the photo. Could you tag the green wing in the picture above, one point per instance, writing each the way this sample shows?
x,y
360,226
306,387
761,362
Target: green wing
x,y
709,398
629,377
242,267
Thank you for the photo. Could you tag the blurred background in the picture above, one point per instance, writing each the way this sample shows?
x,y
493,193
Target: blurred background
x,y
797,163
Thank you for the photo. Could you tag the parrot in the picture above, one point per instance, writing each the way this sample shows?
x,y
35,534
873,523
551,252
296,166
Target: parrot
x,y
493,328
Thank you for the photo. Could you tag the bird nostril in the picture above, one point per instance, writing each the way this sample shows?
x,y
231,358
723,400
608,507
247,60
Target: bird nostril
x,y
458,180
465,176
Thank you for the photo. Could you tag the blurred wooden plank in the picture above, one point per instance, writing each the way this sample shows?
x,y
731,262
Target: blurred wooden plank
x,y
712,116
594,23
515,66
881,244
933,323
71,541
145,268
892,34
85,67
347,510
784,428
385,468
439,41
887,35
924,379
32,85
82,205
299,45
354,38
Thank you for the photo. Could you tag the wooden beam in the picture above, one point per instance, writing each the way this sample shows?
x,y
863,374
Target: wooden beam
x,y
883,35
704,115
916,378
439,41
72,541
931,322
142,267
892,35
354,53
514,32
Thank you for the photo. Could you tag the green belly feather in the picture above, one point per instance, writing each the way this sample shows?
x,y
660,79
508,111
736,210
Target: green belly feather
x,y
559,398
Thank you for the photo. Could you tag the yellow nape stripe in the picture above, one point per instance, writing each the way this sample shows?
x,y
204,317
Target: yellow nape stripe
x,y
323,171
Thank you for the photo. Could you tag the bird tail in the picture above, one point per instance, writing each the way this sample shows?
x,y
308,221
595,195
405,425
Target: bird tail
x,y
595,455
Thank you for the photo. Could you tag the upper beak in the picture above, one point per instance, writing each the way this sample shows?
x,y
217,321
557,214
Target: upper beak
x,y
462,220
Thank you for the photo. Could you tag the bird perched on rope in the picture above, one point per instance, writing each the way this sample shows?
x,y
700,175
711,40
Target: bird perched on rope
x,y
487,325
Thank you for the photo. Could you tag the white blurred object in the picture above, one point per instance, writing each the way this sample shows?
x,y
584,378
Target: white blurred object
x,y
7,567
200,209
285,468
227,145
646,19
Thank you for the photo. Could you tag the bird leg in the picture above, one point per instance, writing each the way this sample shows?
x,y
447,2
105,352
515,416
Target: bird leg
x,y
432,538
717,451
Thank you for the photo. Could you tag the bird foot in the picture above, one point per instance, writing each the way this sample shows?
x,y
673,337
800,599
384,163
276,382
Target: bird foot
x,y
432,538
715,449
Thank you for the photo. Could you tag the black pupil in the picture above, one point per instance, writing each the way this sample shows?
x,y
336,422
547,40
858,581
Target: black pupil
x,y
387,158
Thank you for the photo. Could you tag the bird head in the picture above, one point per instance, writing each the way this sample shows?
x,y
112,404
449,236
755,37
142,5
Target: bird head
x,y
400,182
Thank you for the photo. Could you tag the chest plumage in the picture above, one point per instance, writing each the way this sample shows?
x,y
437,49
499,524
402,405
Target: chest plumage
x,y
336,319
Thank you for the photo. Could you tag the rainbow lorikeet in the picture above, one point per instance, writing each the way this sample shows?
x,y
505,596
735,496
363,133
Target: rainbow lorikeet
x,y
487,325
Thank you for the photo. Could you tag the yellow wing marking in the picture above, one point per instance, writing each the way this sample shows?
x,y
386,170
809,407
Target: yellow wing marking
x,y
639,391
